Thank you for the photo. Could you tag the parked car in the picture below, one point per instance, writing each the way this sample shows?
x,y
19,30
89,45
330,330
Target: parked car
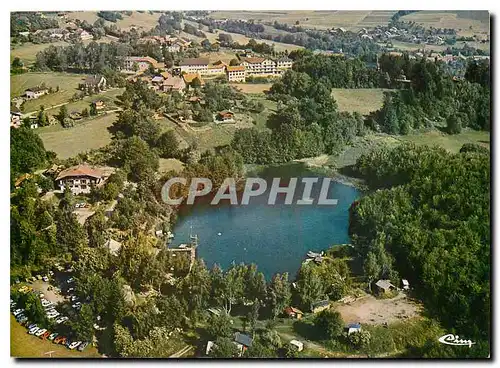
x,y
74,344
53,336
74,298
45,335
60,340
53,315
77,304
18,311
70,280
82,346
61,319
31,326
40,332
45,278
71,289
33,330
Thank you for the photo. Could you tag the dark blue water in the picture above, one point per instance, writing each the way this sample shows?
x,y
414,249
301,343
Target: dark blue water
x,y
274,237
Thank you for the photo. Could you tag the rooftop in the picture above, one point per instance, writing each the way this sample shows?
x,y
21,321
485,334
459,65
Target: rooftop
x,y
236,68
243,339
194,61
80,170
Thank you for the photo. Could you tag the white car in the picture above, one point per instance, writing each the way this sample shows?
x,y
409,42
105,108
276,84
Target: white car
x,y
70,280
40,332
17,311
74,298
33,330
77,304
45,278
45,303
61,319
53,315
74,344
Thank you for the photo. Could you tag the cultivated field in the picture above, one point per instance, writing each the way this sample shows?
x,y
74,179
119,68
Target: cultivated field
x,y
144,21
24,345
363,101
109,97
352,20
467,23
91,134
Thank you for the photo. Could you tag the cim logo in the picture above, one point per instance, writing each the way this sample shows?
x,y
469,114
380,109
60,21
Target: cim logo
x,y
455,340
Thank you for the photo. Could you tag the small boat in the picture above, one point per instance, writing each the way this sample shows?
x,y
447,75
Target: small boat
x,y
219,234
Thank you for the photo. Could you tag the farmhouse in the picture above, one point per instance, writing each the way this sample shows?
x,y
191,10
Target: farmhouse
x,y
94,81
36,92
79,178
236,73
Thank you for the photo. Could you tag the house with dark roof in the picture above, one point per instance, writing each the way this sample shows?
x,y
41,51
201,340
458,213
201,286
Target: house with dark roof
x,y
79,178
225,116
242,341
93,81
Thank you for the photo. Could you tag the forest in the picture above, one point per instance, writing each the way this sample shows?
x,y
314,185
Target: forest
x,y
427,219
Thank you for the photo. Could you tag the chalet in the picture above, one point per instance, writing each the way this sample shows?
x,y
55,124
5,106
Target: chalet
x,y
99,104
319,306
384,286
284,63
225,116
94,81
79,178
36,92
194,65
352,328
292,312
236,73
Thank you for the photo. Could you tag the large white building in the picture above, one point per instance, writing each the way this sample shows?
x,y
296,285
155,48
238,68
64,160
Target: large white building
x,y
136,64
194,65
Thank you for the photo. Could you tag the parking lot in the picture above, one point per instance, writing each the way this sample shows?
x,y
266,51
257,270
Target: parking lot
x,y
51,295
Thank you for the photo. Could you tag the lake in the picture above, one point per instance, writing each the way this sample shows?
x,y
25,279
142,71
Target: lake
x,y
274,237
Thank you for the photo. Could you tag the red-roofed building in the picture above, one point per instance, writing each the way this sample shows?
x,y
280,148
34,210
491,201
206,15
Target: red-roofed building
x,y
79,178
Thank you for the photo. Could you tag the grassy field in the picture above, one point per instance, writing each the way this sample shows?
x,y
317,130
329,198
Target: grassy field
x,y
27,51
68,85
109,98
352,20
91,134
363,101
467,23
167,164
23,345
145,21
452,143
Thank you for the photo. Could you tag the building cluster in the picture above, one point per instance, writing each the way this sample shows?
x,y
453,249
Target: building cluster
x,y
248,67
170,43
69,31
